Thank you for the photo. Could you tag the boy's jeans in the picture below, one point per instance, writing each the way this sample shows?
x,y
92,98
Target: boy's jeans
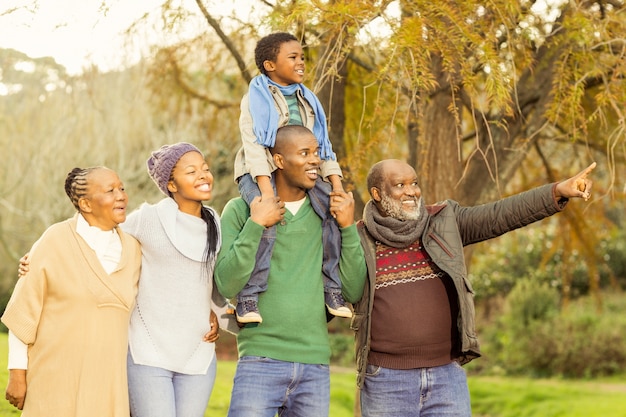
x,y
331,239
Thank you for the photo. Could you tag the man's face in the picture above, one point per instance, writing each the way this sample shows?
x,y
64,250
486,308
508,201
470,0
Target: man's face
x,y
300,161
400,197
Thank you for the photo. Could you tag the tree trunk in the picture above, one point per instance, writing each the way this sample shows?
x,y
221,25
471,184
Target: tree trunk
x,y
504,143
332,96
439,165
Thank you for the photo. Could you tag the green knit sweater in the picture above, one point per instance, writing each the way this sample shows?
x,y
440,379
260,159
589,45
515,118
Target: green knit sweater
x,y
294,319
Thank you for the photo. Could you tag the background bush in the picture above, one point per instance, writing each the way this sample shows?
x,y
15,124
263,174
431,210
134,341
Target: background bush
x,y
534,337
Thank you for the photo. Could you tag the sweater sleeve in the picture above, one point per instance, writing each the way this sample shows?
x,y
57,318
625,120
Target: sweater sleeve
x,y
352,267
240,242
23,311
131,224
18,353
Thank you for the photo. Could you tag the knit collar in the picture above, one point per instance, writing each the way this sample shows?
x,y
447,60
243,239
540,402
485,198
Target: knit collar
x,y
167,211
391,231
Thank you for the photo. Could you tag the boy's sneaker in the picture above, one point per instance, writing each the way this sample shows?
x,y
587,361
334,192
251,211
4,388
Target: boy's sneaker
x,y
247,311
336,305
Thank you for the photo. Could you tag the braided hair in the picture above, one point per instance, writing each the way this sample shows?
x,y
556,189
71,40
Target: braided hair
x,y
76,184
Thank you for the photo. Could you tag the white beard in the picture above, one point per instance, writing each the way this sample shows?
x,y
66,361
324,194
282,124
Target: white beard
x,y
394,208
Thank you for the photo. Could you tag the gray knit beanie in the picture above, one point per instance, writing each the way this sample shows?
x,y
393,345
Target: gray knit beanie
x,y
162,162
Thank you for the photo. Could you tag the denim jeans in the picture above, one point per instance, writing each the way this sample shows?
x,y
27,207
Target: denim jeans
x,y
422,392
157,392
265,387
331,239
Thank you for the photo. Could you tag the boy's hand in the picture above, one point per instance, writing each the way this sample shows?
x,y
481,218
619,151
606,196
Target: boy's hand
x,y
268,196
335,181
265,186
342,207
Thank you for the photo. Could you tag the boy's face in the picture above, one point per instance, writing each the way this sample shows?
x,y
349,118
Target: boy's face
x,y
289,65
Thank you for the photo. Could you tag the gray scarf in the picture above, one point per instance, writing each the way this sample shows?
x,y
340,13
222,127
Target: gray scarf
x,y
391,231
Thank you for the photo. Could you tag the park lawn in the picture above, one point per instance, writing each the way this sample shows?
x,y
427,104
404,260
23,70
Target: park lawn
x,y
491,396
342,382
525,397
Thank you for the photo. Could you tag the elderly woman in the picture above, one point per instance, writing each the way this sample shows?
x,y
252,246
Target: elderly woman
x,y
68,316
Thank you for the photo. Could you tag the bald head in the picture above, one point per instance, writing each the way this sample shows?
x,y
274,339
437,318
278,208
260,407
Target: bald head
x,y
380,170
296,156
288,135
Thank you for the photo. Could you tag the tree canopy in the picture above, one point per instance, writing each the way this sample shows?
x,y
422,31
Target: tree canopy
x,y
484,99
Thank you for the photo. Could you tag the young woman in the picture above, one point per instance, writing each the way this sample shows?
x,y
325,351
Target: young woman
x,y
171,359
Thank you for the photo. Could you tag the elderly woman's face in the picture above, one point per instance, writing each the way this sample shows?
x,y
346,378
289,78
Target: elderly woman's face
x,y
106,199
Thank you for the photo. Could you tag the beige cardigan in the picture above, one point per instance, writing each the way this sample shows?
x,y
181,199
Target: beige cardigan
x,y
74,318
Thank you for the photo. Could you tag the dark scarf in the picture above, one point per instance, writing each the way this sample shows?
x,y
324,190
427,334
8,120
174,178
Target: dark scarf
x,y
391,231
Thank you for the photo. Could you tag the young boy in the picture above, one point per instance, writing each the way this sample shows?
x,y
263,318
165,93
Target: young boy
x,y
277,98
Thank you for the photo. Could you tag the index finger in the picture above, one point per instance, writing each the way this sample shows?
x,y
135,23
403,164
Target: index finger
x,y
586,171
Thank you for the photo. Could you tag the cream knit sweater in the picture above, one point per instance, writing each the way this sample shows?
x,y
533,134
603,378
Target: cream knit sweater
x,y
173,305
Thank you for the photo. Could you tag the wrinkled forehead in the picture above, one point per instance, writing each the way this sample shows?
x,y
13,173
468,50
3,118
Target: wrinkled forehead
x,y
102,178
399,172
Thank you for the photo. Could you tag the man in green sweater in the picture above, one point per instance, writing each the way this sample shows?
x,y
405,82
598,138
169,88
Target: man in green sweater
x,y
284,361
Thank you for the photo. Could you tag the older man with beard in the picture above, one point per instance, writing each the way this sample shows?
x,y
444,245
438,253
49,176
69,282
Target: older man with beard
x,y
415,322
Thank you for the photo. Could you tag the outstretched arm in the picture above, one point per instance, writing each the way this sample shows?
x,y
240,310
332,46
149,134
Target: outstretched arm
x,y
578,186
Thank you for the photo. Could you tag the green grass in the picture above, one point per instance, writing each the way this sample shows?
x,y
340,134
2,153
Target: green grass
x,y
491,396
524,397
342,382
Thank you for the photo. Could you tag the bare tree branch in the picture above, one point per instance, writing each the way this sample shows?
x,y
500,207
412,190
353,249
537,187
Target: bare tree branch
x,y
227,42
182,83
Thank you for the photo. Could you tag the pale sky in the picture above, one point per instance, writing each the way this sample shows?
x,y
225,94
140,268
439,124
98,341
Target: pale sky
x,y
77,32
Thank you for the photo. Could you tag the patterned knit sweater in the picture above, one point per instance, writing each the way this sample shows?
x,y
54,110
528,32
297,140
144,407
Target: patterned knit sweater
x,y
409,284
